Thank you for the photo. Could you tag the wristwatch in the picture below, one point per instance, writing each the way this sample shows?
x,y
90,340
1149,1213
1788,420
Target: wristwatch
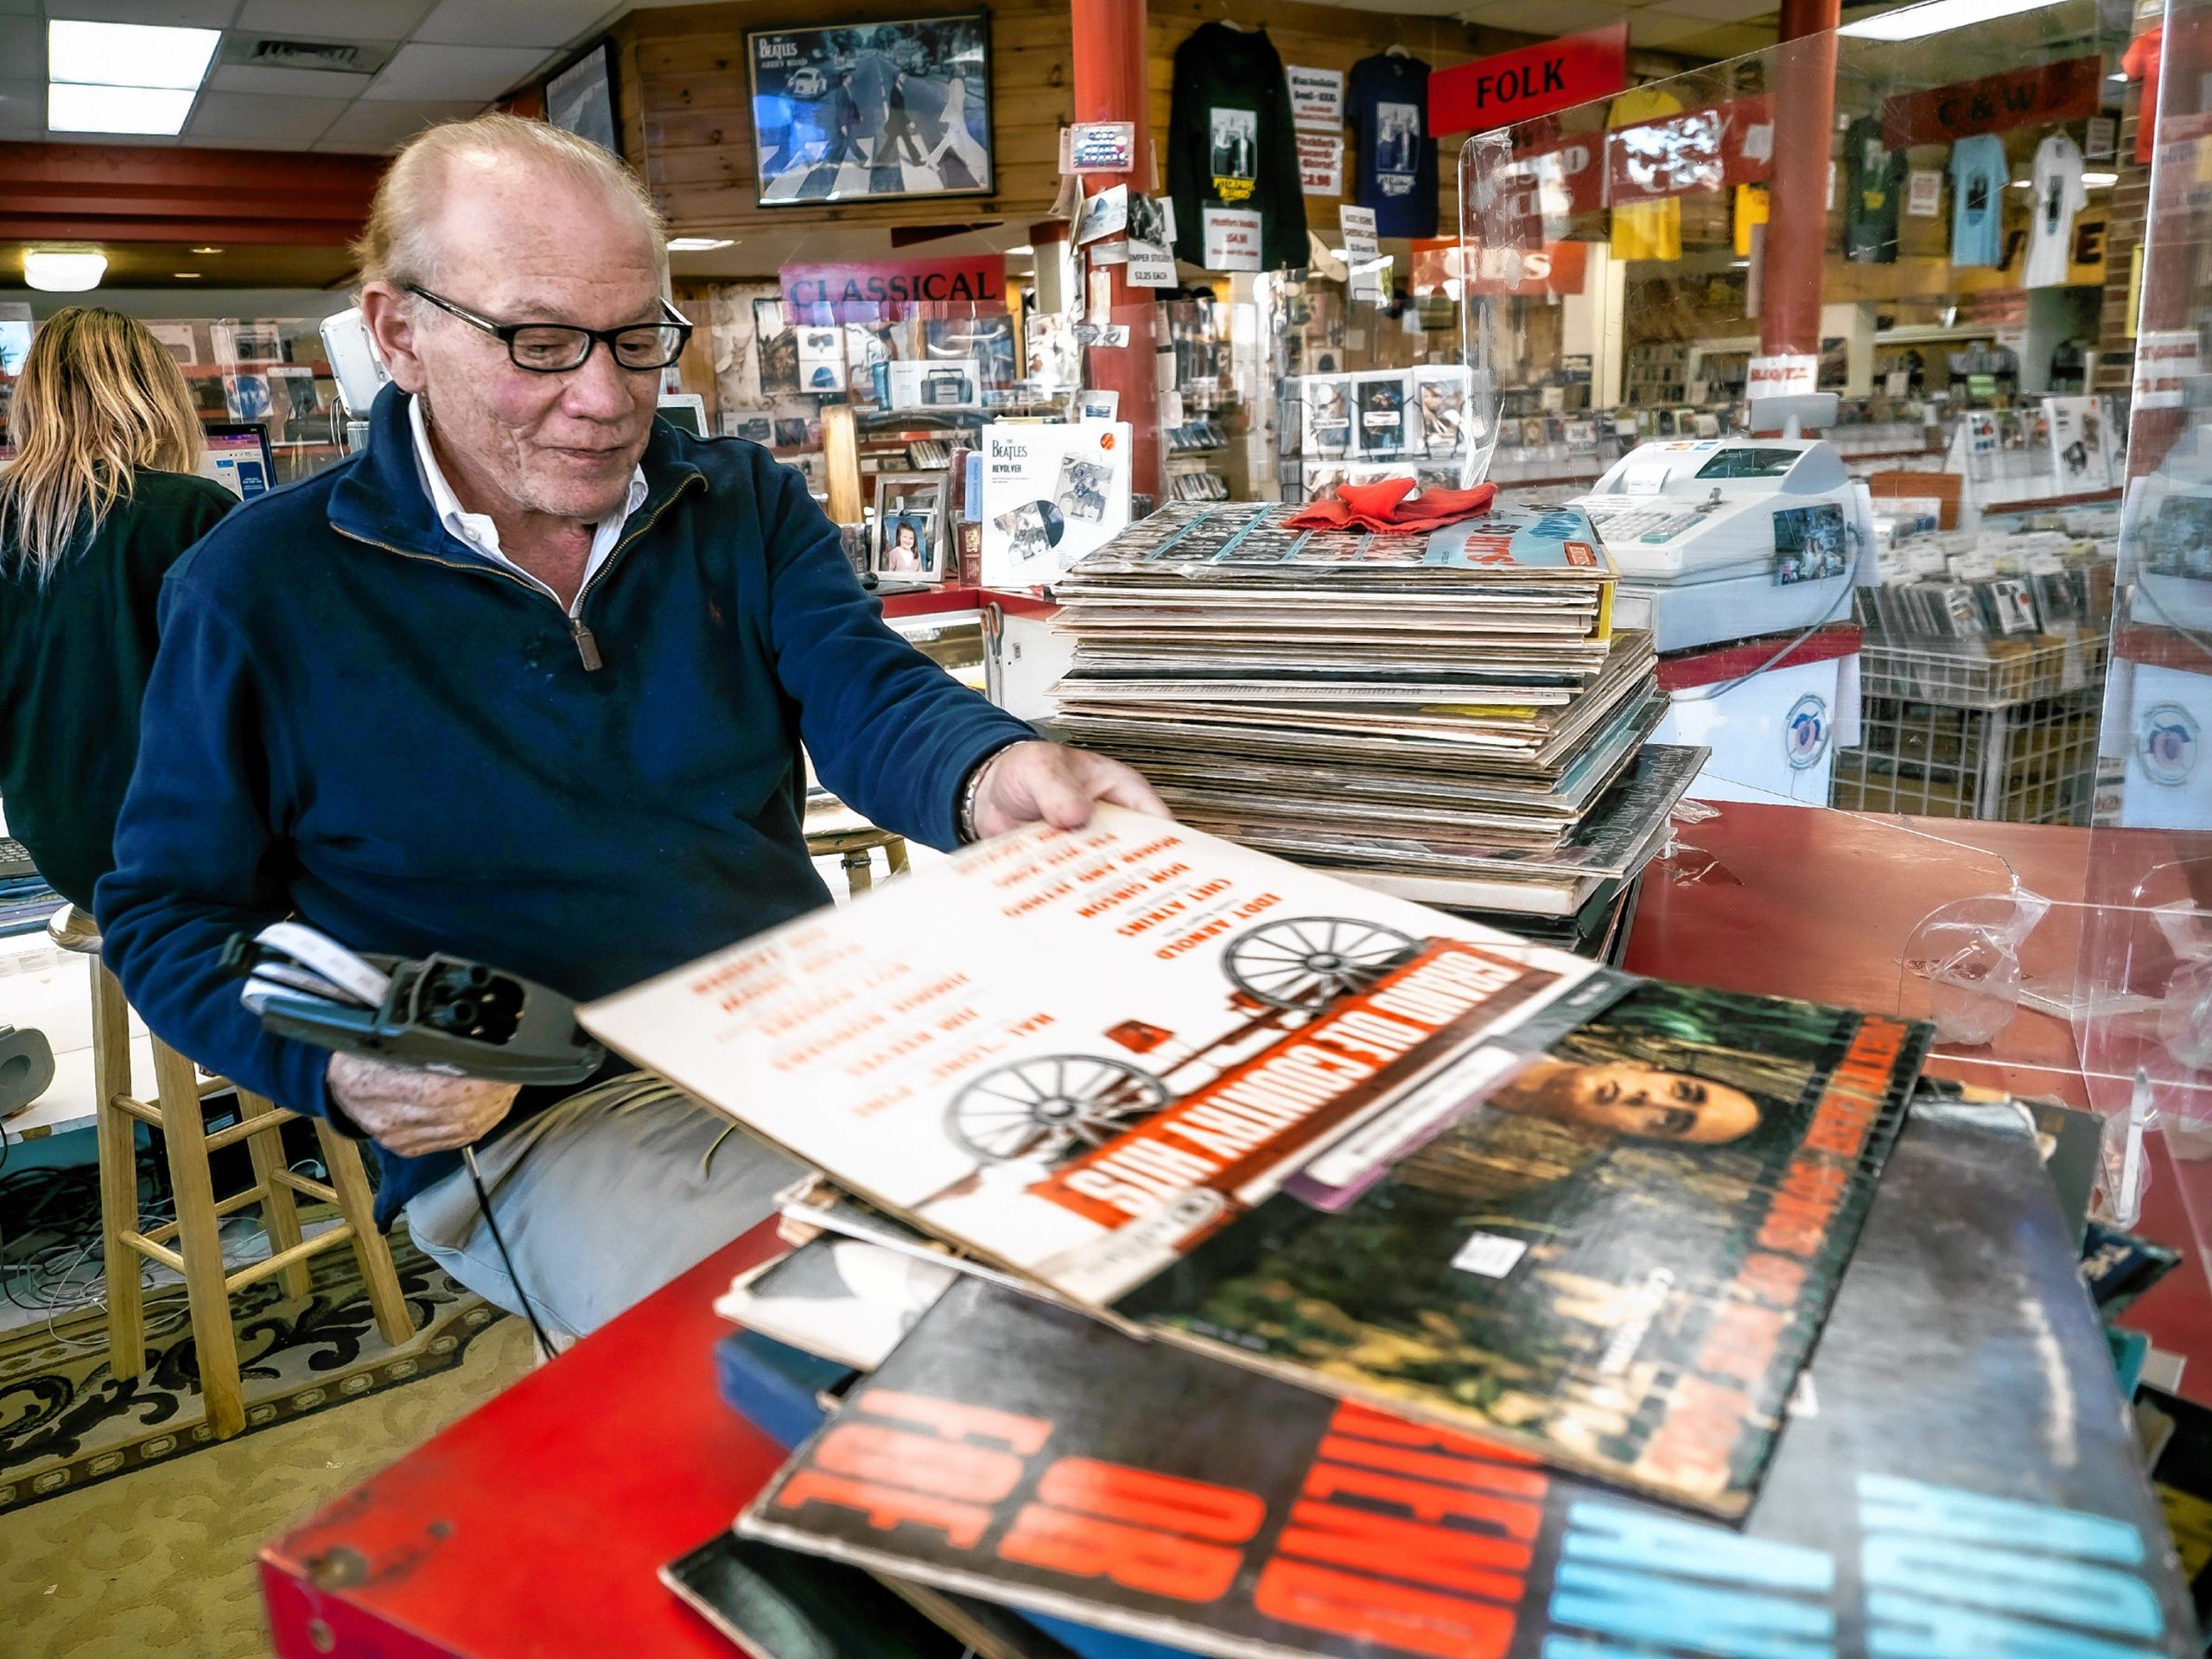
x,y
971,786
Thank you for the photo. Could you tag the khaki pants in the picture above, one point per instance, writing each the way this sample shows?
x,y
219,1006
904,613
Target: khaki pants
x,y
602,1198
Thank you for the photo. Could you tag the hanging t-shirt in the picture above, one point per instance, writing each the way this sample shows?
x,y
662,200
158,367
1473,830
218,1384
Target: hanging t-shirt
x,y
1645,229
2059,195
1873,177
1978,177
1230,144
1750,209
2140,62
1386,105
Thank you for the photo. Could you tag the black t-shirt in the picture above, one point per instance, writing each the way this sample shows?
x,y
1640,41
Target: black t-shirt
x,y
75,654
1873,178
1386,100
1230,144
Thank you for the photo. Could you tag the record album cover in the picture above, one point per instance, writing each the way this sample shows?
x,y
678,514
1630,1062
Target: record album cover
x,y
1957,1481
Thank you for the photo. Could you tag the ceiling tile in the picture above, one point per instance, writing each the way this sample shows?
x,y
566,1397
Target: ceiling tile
x,y
291,83
331,20
1719,11
1658,29
374,128
418,72
510,22
175,14
1547,17
261,121
22,48
23,109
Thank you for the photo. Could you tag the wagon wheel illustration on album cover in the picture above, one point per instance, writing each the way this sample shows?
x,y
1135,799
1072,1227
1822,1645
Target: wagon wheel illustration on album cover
x,y
1050,1105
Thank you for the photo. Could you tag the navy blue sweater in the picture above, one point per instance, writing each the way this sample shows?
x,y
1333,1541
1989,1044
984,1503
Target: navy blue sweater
x,y
355,719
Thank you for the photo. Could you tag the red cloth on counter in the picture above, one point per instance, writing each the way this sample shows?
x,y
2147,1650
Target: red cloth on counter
x,y
1384,505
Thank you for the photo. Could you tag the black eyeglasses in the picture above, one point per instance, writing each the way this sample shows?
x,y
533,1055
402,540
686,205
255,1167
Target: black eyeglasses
x,y
557,347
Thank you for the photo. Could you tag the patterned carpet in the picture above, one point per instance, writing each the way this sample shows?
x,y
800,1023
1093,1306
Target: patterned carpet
x,y
66,1423
159,1562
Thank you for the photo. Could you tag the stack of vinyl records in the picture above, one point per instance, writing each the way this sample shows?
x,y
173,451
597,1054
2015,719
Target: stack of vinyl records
x,y
1450,717
25,899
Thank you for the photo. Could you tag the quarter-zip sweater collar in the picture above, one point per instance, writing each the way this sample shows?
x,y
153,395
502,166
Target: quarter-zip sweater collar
x,y
476,531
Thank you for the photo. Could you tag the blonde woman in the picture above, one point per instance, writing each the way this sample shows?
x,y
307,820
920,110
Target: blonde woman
x,y
97,503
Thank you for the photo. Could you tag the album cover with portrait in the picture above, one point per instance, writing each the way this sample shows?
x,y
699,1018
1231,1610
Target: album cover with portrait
x,y
1617,1255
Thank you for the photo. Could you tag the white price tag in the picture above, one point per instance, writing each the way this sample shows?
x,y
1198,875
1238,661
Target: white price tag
x,y
1357,225
1491,1254
1317,98
1150,267
1230,238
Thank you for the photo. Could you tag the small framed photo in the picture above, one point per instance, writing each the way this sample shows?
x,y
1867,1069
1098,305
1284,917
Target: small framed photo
x,y
910,531
580,96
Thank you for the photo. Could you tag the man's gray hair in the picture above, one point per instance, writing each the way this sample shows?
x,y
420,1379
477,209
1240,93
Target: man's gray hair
x,y
397,246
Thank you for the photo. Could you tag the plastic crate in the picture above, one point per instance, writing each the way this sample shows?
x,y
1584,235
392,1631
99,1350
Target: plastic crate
x,y
1983,674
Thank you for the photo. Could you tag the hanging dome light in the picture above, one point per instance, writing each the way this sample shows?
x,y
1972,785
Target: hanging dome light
x,y
64,271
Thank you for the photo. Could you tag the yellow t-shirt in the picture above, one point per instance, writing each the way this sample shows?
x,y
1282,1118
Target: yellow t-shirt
x,y
1645,229
1750,209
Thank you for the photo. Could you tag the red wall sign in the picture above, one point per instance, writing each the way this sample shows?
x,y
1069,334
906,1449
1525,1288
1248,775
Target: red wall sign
x,y
1551,269
878,289
1699,150
1535,81
2057,92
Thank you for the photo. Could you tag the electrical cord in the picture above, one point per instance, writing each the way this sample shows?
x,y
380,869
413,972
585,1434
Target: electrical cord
x,y
484,1204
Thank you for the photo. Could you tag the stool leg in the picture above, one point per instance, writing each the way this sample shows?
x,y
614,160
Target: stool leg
x,y
117,1134
370,1249
858,875
894,855
198,1240
280,1216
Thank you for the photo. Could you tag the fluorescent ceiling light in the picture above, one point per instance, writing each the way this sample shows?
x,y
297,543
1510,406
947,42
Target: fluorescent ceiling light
x,y
2099,181
1022,252
129,54
117,108
186,276
700,243
63,273
1911,23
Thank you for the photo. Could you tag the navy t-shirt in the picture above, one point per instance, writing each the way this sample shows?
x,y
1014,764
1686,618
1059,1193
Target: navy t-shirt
x,y
1385,102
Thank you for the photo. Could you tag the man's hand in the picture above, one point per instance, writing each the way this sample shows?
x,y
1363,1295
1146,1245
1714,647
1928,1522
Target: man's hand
x,y
411,1112
1031,782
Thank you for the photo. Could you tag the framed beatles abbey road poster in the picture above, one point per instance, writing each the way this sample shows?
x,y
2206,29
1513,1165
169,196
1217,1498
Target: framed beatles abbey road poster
x,y
848,112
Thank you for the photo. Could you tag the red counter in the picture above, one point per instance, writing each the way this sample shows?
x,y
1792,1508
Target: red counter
x,y
534,1526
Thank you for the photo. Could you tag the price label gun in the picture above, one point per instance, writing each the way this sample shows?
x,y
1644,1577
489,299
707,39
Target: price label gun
x,y
443,1014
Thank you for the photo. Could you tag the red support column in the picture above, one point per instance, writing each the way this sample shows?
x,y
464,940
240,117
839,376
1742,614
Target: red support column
x,y
1110,86
1797,227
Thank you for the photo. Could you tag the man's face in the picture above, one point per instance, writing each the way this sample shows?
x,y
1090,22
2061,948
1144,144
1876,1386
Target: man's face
x,y
1655,1105
524,244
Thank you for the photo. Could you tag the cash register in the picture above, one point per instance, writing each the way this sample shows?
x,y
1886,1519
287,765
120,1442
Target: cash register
x,y
1724,539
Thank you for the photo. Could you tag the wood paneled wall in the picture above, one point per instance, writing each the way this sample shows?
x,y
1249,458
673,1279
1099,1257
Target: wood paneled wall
x,y
687,120
684,98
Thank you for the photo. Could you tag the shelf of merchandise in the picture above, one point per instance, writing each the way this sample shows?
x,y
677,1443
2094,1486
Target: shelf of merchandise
x,y
1998,729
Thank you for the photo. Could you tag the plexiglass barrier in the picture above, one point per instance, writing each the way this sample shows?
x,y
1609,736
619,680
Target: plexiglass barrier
x,y
2000,274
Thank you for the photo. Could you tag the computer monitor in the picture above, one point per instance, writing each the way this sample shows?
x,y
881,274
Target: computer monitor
x,y
237,456
687,410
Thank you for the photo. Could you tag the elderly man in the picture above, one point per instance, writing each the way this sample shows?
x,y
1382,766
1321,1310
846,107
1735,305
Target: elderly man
x,y
525,681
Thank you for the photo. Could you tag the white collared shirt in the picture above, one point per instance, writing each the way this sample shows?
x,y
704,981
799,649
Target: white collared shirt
x,y
475,531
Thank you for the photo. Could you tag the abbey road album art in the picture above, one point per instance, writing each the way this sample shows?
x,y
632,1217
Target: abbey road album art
x,y
850,113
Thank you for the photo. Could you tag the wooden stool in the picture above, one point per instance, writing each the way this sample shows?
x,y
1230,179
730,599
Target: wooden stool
x,y
835,830
192,1244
